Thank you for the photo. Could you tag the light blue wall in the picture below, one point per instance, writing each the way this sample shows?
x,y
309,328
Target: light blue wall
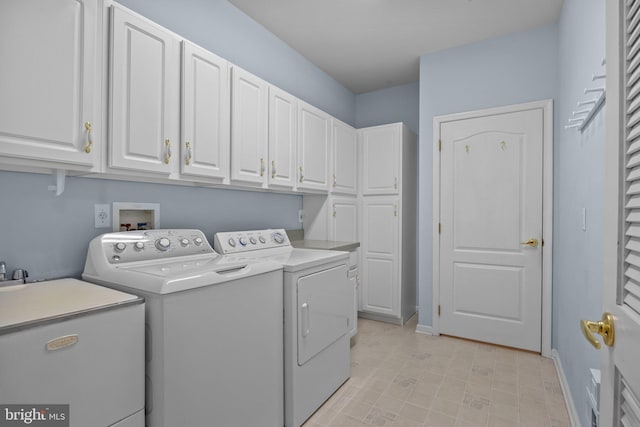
x,y
395,104
579,180
507,70
49,235
220,27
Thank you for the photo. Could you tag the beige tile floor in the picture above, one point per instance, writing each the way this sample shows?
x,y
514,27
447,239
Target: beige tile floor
x,y
400,378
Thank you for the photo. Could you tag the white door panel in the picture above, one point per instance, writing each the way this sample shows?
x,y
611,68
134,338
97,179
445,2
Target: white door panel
x,y
314,142
620,371
491,201
282,138
49,80
345,159
205,113
344,220
325,304
380,160
144,93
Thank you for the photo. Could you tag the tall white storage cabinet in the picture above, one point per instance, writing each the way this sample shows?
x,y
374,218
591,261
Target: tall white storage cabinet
x,y
388,222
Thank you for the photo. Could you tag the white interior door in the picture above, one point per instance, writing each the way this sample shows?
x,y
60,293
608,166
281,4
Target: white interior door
x,y
620,372
491,202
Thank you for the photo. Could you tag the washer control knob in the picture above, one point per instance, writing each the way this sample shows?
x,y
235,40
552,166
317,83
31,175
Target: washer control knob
x,y
120,247
243,241
163,244
184,242
253,240
197,241
232,242
138,246
262,239
278,237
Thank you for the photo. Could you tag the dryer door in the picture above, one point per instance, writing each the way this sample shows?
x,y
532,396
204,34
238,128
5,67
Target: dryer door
x,y
325,301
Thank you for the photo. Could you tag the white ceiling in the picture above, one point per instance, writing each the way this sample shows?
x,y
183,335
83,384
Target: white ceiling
x,y
371,44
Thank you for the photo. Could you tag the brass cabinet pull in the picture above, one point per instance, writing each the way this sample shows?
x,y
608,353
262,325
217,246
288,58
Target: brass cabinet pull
x,y
87,148
395,210
273,169
167,155
531,242
261,167
334,181
395,183
334,211
187,160
604,327
301,175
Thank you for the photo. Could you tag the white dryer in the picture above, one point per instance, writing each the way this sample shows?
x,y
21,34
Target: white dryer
x,y
213,327
318,303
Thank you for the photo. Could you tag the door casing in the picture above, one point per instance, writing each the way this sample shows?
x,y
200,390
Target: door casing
x,y
547,210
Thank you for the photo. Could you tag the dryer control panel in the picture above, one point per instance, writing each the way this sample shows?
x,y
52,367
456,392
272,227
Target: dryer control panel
x,y
242,241
130,246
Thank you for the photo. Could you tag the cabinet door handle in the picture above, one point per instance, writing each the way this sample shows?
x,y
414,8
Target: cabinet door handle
x,y
395,183
87,148
395,210
261,166
273,169
187,160
167,155
334,181
301,175
334,211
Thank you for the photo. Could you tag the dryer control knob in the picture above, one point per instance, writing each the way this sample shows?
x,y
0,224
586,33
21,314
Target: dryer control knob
x,y
243,241
278,237
197,241
262,239
163,244
184,242
120,247
139,246
232,242
253,240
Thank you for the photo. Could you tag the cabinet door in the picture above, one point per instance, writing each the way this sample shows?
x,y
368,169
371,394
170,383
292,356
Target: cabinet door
x,y
314,142
380,159
205,113
380,256
282,138
50,80
249,109
145,66
343,219
345,159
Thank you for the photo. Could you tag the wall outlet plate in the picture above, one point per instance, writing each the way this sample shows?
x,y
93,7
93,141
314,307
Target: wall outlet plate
x,y
300,216
102,215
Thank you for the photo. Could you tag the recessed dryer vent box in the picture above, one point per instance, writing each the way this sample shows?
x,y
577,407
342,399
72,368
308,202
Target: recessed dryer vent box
x,y
135,216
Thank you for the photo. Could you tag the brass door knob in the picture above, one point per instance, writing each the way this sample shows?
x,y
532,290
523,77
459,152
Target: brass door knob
x,y
531,242
604,327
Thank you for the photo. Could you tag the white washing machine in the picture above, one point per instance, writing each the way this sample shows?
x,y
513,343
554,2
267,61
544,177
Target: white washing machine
x,y
214,335
74,343
318,304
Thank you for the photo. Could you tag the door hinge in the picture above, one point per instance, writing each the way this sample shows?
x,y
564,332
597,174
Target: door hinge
x,y
439,228
439,145
438,310
542,242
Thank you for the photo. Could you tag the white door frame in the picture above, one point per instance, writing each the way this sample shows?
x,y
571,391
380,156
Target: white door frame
x,y
547,207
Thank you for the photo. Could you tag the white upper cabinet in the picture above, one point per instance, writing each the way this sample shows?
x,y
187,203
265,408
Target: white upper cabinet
x,y
314,143
343,219
282,138
381,159
50,81
345,159
145,94
249,137
205,116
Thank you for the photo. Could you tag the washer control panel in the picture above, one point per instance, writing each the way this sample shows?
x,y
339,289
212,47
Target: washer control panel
x,y
129,246
242,241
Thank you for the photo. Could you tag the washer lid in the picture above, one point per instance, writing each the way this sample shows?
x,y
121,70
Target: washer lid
x,y
28,305
291,259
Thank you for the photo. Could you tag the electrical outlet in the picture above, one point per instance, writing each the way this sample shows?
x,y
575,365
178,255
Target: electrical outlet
x,y
102,216
300,216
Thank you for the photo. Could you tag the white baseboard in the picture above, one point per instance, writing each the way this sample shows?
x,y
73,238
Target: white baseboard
x,y
424,329
571,407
